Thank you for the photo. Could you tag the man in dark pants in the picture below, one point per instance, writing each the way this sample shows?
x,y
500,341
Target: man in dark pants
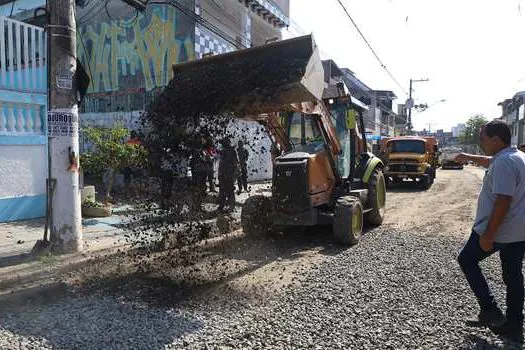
x,y
211,154
242,179
227,171
499,226
199,174
166,176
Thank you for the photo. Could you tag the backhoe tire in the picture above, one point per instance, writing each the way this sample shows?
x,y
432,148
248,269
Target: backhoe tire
x,y
256,214
347,225
376,198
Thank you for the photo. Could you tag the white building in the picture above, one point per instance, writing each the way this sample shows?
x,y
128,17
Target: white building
x,y
458,130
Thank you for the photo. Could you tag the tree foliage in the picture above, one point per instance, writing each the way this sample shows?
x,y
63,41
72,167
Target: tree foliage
x,y
109,153
472,128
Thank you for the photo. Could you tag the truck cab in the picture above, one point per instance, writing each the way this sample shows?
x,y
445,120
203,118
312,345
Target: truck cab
x,y
409,157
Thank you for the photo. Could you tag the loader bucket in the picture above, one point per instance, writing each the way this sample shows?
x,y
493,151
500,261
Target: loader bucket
x,y
249,82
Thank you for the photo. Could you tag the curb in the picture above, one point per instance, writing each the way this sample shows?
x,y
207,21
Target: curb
x,y
35,281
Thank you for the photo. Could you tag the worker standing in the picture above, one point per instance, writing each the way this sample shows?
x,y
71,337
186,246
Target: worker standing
x,y
242,176
228,164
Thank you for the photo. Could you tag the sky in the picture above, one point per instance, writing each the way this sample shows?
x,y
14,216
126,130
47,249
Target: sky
x,y
472,51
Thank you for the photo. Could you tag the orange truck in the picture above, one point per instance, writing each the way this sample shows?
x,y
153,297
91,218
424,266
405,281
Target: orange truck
x,y
410,157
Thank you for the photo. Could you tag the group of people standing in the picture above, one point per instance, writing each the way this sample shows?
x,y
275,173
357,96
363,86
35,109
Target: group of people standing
x,y
232,167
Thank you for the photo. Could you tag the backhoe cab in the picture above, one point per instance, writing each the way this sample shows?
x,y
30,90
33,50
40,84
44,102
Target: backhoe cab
x,y
325,175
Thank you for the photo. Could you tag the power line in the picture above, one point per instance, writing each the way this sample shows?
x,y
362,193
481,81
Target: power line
x,y
131,23
227,26
90,13
85,54
12,9
214,29
371,49
198,19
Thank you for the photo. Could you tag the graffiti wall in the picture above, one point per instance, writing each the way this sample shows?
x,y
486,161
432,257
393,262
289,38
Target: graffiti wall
x,y
133,54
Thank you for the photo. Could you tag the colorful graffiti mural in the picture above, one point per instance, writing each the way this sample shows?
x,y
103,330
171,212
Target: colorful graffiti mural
x,y
138,52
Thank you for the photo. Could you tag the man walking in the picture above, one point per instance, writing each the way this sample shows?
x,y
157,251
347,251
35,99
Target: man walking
x,y
499,226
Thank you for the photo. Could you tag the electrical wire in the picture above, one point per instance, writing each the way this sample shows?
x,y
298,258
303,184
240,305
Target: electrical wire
x,y
214,29
371,49
92,15
85,52
245,38
131,23
202,21
89,11
12,9
192,15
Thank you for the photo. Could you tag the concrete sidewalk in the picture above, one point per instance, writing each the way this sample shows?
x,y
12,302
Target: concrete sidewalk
x,y
102,236
19,237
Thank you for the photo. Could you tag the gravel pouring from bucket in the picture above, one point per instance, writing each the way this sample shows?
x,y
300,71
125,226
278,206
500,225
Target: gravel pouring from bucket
x,y
248,82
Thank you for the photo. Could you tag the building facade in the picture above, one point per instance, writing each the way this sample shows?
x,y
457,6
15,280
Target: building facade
x,y
23,105
128,55
458,130
513,113
381,119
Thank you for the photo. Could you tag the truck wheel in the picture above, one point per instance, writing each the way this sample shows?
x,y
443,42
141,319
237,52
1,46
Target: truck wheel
x,y
348,220
425,182
256,216
376,198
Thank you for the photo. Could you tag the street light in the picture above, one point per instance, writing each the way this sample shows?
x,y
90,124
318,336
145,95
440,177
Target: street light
x,y
424,106
410,103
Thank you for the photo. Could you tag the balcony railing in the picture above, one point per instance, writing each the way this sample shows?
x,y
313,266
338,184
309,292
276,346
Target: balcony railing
x,y
269,11
21,118
22,56
23,81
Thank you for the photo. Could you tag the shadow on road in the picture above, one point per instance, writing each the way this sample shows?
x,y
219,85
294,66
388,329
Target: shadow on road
x,y
405,187
16,260
172,277
98,323
475,342
31,223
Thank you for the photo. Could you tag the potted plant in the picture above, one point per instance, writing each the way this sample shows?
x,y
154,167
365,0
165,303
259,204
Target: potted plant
x,y
95,209
109,153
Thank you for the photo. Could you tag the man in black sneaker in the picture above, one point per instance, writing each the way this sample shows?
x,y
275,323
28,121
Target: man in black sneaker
x,y
499,226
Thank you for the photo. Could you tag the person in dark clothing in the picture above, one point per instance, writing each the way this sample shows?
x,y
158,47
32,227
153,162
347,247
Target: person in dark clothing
x,y
129,172
228,164
210,155
274,152
199,173
166,177
242,176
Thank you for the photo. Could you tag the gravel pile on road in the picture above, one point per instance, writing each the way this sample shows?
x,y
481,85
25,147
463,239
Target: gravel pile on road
x,y
393,290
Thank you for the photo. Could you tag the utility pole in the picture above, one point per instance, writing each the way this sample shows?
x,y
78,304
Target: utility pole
x,y
62,123
410,104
